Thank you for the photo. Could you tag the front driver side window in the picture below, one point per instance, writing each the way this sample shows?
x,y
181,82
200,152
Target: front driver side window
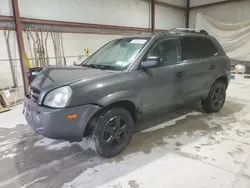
x,y
167,50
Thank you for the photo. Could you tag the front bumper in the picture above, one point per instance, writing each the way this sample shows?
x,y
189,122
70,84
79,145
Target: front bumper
x,y
54,123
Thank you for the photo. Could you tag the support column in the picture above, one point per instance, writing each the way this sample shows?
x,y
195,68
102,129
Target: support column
x,y
187,13
20,42
153,16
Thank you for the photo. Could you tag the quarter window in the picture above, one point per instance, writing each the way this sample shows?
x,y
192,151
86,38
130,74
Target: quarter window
x,y
197,47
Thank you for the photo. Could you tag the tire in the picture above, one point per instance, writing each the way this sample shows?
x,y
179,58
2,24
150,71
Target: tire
x,y
109,138
215,99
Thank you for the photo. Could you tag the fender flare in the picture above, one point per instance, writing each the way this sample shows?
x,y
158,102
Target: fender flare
x,y
118,96
217,77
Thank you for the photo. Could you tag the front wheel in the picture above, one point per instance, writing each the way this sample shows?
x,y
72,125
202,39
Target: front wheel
x,y
112,131
215,99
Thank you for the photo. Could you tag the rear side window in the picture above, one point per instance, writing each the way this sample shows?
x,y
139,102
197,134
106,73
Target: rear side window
x,y
197,47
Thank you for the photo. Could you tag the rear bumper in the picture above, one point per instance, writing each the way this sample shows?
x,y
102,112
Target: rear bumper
x,y
54,123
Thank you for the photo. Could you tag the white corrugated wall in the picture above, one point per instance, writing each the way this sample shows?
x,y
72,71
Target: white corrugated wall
x,y
131,13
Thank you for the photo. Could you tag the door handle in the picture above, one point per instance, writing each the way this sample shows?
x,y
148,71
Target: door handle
x,y
180,74
211,67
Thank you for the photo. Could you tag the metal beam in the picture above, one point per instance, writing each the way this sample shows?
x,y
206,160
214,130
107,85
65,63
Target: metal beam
x,y
20,42
187,13
74,24
152,16
6,18
216,3
77,24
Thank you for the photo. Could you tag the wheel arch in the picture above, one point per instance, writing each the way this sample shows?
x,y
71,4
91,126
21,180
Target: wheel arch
x,y
223,79
127,104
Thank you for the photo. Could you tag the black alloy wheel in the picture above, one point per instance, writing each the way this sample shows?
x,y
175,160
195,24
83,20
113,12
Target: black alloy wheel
x,y
112,131
115,133
216,98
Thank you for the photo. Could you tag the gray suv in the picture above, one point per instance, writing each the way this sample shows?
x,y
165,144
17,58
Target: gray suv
x,y
125,81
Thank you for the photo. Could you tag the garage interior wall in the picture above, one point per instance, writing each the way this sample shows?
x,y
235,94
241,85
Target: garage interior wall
x,y
176,17
169,17
129,13
226,12
229,12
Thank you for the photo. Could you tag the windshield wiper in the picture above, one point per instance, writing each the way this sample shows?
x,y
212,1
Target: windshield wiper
x,y
94,66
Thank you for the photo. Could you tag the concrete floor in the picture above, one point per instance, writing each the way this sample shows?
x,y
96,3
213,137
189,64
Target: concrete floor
x,y
186,148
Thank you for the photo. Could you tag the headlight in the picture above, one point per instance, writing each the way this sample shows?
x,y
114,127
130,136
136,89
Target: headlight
x,y
58,98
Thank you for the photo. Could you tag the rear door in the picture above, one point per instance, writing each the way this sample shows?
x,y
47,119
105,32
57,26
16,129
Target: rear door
x,y
200,55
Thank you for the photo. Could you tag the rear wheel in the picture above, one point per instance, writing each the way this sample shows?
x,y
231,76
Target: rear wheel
x,y
112,131
216,98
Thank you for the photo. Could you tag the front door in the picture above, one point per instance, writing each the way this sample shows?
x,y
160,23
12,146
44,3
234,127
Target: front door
x,y
160,85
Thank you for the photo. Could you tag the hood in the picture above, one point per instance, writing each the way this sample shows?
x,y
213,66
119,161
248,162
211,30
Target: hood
x,y
54,77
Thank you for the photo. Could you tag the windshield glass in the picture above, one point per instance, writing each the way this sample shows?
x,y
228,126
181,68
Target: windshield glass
x,y
116,55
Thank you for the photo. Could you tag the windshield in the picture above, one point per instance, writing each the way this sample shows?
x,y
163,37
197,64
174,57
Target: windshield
x,y
116,55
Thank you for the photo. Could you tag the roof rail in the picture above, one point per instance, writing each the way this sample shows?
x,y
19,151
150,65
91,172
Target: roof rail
x,y
201,31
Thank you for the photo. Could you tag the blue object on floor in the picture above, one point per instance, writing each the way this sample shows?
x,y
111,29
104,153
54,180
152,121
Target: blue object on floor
x,y
233,77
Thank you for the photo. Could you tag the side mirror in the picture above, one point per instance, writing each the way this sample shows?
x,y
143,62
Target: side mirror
x,y
75,64
151,62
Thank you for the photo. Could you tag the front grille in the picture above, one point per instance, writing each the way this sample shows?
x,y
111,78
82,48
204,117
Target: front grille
x,y
34,94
